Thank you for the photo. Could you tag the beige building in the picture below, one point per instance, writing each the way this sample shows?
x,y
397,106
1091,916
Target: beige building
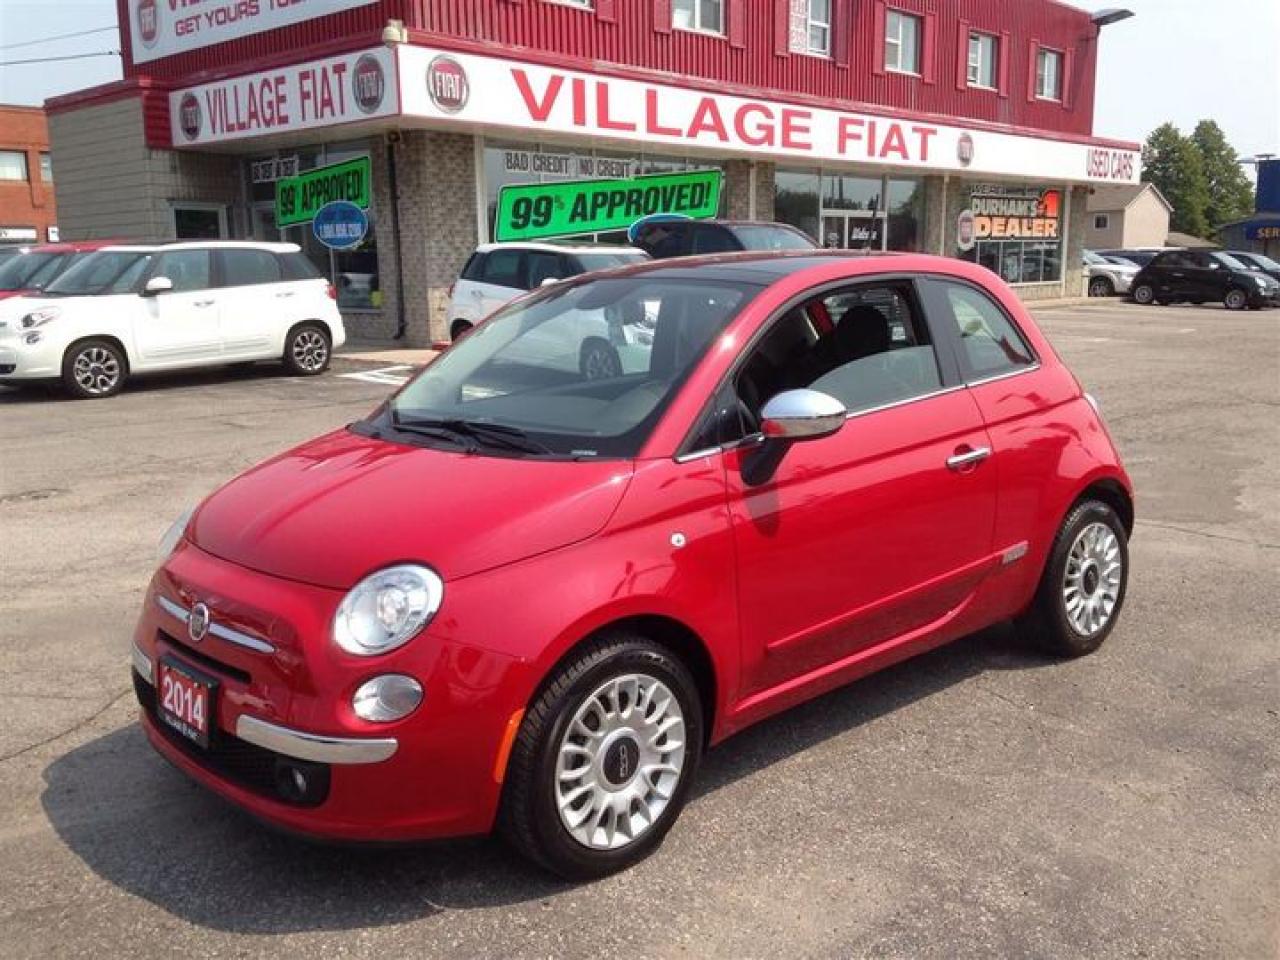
x,y
1126,216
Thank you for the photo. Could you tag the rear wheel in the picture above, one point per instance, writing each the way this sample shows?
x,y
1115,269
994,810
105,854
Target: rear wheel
x,y
1101,287
604,758
93,369
1236,299
1144,293
598,360
459,328
306,350
1083,585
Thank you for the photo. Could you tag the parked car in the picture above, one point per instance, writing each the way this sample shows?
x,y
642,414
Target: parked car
x,y
499,272
32,268
663,239
1257,261
136,309
1106,277
516,596
1200,276
1141,256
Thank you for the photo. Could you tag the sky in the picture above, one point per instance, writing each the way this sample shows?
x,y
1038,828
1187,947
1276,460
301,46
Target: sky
x,y
1173,61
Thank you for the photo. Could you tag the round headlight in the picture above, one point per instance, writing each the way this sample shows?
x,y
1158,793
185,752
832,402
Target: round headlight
x,y
169,542
386,698
384,610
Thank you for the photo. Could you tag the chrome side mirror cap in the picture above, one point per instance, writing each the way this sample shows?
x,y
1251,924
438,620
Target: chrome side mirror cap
x,y
157,285
802,415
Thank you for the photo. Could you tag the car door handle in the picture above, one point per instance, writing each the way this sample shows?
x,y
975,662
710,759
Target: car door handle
x,y
204,303
287,293
968,458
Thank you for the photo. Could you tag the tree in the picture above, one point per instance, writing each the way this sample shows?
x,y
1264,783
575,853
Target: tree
x,y
1230,194
1172,162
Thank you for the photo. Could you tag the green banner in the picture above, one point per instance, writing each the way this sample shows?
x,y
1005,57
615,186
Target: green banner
x,y
530,210
298,198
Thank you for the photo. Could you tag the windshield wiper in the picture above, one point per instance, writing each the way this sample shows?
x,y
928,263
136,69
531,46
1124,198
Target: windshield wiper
x,y
493,434
433,430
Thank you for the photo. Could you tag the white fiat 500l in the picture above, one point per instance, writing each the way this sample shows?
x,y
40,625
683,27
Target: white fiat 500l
x,y
138,309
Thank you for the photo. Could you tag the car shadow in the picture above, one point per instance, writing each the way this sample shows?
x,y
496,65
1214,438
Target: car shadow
x,y
145,828
46,392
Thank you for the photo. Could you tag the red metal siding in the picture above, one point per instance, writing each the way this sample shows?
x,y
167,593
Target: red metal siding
x,y
635,36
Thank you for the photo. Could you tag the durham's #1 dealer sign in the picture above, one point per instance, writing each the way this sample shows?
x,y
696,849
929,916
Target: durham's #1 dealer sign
x,y
161,28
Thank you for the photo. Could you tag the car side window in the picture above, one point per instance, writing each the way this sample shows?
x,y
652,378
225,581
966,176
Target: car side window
x,y
188,269
502,268
665,239
474,270
712,239
243,268
990,343
544,265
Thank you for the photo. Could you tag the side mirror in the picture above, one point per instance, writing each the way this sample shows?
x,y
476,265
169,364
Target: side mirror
x,y
790,417
549,282
157,285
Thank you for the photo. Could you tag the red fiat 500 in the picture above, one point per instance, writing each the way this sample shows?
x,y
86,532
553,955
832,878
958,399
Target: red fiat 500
x,y
626,517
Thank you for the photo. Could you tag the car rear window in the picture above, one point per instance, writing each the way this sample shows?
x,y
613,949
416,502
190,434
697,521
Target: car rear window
x,y
296,266
502,268
245,268
765,237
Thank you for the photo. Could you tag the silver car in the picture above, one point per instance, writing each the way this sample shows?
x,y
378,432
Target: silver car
x,y
1107,278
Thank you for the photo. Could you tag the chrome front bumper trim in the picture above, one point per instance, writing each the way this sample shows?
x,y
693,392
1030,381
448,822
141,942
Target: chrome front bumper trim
x,y
142,665
313,746
181,614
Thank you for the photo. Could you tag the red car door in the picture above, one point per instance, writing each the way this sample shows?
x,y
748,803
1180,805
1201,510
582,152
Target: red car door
x,y
880,532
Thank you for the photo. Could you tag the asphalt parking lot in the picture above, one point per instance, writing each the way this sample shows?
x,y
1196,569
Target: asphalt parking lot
x,y
979,801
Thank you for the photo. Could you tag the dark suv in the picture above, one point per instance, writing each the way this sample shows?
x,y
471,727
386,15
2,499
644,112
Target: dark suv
x,y
1199,276
663,239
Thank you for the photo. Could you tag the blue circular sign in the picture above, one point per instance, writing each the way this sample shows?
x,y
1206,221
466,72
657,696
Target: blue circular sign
x,y
633,231
340,224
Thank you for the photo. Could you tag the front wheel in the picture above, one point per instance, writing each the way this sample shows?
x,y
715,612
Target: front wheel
x,y
1144,294
599,360
460,329
1101,287
604,758
306,350
1083,585
1236,299
93,369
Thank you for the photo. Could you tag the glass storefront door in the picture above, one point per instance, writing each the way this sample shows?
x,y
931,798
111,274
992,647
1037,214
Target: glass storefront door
x,y
843,211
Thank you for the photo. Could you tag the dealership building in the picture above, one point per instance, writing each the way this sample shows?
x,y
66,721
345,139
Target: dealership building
x,y
380,134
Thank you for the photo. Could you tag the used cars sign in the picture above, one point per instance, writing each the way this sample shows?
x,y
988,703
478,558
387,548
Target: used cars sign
x,y
531,210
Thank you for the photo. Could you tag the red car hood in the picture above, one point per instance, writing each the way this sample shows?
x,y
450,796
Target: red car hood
x,y
6,294
342,506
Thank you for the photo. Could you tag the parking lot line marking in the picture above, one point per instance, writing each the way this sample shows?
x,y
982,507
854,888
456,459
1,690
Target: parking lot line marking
x,y
384,376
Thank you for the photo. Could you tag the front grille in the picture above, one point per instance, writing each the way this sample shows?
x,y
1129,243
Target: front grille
x,y
203,659
264,772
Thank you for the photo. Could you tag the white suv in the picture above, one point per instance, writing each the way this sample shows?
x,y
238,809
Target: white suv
x,y
137,309
500,272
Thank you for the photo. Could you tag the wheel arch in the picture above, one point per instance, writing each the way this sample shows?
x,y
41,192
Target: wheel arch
x,y
310,322
1114,494
109,338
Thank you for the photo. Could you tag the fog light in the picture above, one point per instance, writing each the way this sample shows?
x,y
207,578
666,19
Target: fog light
x,y
387,698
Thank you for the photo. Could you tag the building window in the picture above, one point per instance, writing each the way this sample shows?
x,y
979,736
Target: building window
x,y
13,165
982,61
902,42
580,4
1101,222
1049,75
46,168
706,16
819,27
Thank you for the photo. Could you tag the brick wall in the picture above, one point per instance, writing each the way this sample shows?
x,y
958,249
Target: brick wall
x,y
26,203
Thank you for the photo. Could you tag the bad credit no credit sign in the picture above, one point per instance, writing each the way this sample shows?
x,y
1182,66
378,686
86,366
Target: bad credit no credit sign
x,y
533,210
299,198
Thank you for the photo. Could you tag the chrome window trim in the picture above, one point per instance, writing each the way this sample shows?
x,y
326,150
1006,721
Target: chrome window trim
x,y
218,630
142,665
1030,368
315,747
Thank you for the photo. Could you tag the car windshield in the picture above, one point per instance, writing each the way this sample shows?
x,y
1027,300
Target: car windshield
x,y
1229,261
578,370
764,237
1261,262
603,261
17,272
113,271
1093,259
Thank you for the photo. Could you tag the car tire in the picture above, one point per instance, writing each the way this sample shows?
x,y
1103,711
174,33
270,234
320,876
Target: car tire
x,y
1235,299
94,370
632,780
1144,293
1101,287
599,360
307,350
1082,589
459,328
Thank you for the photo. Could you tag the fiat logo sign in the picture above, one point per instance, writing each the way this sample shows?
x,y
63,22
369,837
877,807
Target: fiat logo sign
x,y
198,622
447,84
368,83
148,22
964,150
189,116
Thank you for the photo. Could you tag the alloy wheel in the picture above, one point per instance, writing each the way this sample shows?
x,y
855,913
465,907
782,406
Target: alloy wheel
x,y
1236,300
1091,584
310,350
97,370
620,761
